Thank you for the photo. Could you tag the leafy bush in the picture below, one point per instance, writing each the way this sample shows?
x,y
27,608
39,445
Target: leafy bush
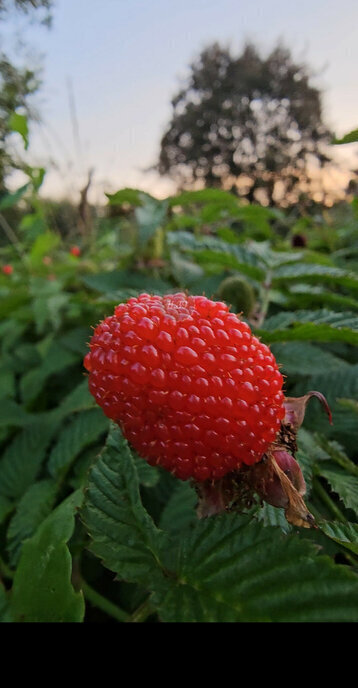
x,y
89,531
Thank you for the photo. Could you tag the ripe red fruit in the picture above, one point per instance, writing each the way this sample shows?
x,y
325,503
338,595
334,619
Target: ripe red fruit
x,y
7,269
75,251
192,388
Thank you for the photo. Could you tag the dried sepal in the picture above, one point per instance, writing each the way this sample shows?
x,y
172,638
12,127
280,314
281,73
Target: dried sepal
x,y
277,479
295,408
293,487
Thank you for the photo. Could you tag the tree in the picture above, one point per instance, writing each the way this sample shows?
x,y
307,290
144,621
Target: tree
x,y
247,123
17,84
27,6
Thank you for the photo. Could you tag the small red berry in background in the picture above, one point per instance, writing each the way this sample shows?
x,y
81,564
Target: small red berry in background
x,y
191,387
47,260
7,269
75,251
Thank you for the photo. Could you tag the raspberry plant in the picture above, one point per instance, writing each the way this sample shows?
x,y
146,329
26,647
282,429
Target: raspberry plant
x,y
122,539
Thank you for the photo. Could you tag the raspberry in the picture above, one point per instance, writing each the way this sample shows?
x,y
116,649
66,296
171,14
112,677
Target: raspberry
x,y
191,387
75,251
7,269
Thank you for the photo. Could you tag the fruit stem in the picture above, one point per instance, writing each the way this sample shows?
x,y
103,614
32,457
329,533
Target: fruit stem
x,y
351,558
142,613
11,236
266,286
97,600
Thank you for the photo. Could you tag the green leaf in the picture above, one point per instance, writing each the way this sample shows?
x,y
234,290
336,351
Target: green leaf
x,y
226,568
320,326
272,516
306,272
31,510
339,383
273,259
185,271
229,260
308,296
207,249
133,197
23,458
82,431
5,613
8,200
256,220
42,589
44,244
6,507
76,339
48,310
301,358
179,513
37,175
7,383
308,453
55,361
345,485
208,285
19,124
147,475
83,463
345,534
149,216
351,404
23,356
122,532
108,282
231,569
79,399
12,413
11,300
334,451
351,137
33,224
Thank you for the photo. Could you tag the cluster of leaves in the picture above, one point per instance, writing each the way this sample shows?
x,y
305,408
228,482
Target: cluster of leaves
x,y
87,529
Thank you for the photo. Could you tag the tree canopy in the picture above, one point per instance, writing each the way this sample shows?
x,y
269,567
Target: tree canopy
x,y
247,123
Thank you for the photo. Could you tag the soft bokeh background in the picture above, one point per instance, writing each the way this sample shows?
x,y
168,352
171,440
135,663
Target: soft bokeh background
x,y
110,68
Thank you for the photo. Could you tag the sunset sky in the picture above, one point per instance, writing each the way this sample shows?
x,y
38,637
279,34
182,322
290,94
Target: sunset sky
x,y
120,61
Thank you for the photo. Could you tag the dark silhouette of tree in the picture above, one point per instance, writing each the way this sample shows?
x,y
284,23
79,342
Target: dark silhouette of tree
x,y
246,123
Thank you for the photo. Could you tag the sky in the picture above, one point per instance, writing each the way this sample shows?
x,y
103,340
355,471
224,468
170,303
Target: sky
x,y
111,67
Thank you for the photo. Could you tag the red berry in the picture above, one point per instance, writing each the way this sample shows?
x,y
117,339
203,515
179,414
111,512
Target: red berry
x,y
192,388
7,269
75,251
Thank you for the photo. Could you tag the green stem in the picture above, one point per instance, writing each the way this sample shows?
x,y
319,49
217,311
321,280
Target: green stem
x,y
11,236
142,613
97,600
336,512
265,300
